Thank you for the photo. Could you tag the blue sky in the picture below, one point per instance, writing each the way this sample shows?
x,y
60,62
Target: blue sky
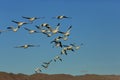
x,y
95,23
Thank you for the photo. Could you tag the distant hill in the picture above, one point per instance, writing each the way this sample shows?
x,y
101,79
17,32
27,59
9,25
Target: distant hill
x,y
40,76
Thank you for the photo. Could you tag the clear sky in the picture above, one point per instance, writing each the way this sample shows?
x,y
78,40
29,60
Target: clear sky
x,y
96,23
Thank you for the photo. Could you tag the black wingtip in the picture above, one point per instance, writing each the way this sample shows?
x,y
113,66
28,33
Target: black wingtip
x,y
8,27
37,26
58,24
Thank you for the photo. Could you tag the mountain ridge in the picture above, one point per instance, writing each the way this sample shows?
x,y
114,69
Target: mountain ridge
x,y
43,76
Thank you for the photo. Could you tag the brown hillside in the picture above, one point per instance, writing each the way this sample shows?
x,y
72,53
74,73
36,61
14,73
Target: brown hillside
x,y
11,76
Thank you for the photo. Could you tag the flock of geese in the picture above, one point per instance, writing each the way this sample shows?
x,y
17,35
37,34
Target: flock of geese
x,y
47,30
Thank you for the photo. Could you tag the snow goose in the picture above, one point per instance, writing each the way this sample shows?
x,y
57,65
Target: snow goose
x,y
57,43
69,47
61,17
45,66
67,33
27,46
57,58
44,31
54,31
45,25
31,19
64,51
14,29
38,70
31,31
76,46
57,39
19,23
47,63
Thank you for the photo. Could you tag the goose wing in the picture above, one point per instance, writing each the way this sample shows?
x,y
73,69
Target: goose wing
x,y
26,17
15,21
9,27
30,45
27,29
38,27
48,35
19,46
68,30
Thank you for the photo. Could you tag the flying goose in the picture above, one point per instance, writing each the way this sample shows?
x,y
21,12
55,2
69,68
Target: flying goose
x,y
57,43
65,38
14,29
47,34
45,66
45,25
47,63
60,37
31,19
44,31
38,70
61,17
57,39
31,31
54,31
57,58
64,51
19,23
76,46
67,33
66,48
69,47
27,46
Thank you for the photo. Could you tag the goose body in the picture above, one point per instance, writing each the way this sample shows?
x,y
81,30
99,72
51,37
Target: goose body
x,y
69,47
44,31
38,70
62,17
57,58
13,28
47,34
45,66
19,23
31,31
57,39
31,19
54,31
64,51
67,33
76,46
27,46
45,25
65,38
47,63
57,43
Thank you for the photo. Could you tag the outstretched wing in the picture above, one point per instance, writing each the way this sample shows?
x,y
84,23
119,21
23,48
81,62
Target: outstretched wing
x,y
69,29
15,21
27,29
30,45
9,27
38,27
19,47
25,17
48,35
